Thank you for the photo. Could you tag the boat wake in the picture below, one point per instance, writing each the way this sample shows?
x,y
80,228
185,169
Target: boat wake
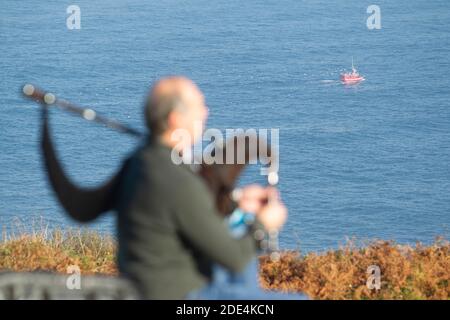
x,y
328,81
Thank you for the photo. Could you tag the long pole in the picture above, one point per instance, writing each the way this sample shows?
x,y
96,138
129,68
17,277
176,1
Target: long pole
x,y
48,98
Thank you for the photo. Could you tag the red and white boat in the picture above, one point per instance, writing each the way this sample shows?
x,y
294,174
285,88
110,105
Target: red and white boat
x,y
351,77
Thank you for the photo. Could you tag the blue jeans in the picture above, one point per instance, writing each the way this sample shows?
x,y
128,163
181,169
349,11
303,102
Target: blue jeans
x,y
225,285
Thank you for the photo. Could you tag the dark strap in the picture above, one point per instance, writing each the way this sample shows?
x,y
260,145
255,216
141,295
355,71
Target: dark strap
x,y
81,204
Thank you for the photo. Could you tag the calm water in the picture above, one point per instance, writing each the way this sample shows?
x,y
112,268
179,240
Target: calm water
x,y
370,161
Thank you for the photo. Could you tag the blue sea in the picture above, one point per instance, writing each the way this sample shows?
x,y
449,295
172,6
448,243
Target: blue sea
x,y
370,161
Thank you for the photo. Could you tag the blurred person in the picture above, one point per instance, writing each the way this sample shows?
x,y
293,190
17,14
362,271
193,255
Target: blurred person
x,y
173,243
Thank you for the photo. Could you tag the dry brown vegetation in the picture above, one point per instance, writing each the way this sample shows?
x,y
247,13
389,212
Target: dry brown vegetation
x,y
420,272
92,252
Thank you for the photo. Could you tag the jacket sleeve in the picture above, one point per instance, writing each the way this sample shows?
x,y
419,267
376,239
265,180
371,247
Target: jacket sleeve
x,y
81,204
201,224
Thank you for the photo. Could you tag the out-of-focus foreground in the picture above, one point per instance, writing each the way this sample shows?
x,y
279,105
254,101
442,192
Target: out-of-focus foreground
x,y
420,272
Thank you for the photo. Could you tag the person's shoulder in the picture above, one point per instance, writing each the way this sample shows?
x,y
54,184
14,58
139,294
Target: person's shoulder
x,y
189,182
187,175
157,163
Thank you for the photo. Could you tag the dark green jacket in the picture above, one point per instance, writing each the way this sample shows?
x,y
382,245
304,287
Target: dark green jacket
x,y
170,232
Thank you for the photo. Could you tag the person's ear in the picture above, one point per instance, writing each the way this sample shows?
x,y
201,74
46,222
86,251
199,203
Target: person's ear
x,y
174,120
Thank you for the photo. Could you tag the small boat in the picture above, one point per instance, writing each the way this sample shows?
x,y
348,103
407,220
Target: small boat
x,y
352,77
